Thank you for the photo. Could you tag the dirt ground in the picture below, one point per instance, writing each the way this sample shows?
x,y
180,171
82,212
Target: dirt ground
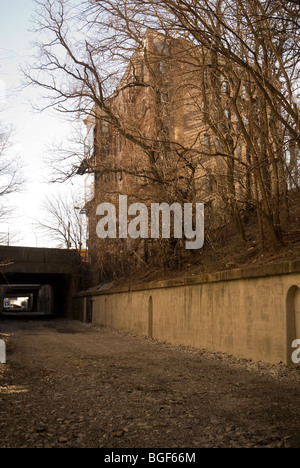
x,y
68,384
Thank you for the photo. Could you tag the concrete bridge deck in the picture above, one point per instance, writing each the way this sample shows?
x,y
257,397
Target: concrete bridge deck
x,y
38,260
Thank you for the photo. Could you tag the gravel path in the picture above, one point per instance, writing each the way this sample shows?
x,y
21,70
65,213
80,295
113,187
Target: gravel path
x,y
68,384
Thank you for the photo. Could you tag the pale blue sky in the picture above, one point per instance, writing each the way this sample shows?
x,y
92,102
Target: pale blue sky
x,y
15,38
33,132
14,21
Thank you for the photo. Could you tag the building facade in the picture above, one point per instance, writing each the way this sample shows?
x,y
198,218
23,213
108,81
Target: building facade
x,y
182,126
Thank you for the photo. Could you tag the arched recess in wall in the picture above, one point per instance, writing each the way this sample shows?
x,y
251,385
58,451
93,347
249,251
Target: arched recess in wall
x,y
150,317
104,313
293,319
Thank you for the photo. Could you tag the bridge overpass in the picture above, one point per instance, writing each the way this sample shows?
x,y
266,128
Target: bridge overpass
x,y
47,277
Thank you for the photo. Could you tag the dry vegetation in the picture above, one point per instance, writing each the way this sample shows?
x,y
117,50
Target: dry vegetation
x,y
189,102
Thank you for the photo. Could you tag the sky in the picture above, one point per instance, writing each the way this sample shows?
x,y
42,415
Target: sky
x,y
33,132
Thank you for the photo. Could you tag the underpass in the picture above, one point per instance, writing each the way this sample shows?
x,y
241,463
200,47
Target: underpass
x,y
40,281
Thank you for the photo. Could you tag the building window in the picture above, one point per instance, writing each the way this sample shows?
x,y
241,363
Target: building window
x,y
104,126
207,140
208,183
163,67
162,47
244,92
237,124
164,98
226,87
228,114
105,150
206,79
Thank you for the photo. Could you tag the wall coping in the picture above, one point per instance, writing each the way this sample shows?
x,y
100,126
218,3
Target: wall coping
x,y
275,269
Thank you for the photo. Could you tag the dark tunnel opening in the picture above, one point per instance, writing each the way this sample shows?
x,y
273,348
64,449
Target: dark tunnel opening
x,y
36,295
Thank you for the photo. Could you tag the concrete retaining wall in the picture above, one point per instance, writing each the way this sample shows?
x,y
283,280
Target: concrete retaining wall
x,y
252,314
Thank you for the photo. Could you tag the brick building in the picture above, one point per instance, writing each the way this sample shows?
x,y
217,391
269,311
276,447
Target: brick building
x,y
175,132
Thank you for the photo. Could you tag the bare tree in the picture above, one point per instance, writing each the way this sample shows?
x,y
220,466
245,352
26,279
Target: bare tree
x,y
234,67
10,176
256,48
64,221
80,70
